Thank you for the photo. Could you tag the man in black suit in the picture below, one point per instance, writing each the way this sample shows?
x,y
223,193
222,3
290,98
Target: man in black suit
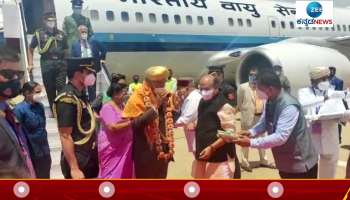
x,y
15,161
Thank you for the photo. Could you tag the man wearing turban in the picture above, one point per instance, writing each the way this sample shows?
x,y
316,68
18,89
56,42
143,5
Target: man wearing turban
x,y
150,108
324,132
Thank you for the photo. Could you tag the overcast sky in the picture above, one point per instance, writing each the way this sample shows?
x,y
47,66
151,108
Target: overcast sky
x,y
339,3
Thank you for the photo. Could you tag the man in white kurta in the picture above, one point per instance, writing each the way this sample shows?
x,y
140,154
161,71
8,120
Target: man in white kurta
x,y
324,132
189,110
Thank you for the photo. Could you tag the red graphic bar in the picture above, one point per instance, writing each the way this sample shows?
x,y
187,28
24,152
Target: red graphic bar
x,y
174,189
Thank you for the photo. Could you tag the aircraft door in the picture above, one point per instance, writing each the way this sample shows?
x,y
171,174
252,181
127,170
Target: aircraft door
x,y
274,26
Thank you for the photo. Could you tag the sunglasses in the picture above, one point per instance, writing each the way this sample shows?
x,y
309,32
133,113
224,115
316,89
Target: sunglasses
x,y
12,74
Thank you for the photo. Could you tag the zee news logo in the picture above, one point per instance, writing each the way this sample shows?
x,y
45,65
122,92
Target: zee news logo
x,y
314,10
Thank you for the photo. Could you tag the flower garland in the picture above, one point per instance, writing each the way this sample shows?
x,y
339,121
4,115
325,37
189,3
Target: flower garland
x,y
153,132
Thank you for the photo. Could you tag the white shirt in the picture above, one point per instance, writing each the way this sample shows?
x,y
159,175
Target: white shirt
x,y
85,49
189,108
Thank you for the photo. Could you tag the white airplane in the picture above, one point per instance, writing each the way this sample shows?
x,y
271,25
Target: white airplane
x,y
188,35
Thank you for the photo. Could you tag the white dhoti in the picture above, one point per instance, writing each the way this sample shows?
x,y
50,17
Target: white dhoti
x,y
326,144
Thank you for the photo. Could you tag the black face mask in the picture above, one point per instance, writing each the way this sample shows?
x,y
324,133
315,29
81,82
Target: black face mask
x,y
136,80
13,85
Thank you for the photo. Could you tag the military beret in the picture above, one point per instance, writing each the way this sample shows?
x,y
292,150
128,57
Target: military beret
x,y
76,64
77,3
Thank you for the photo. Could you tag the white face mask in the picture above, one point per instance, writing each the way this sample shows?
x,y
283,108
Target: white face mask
x,y
84,36
39,97
51,24
261,95
77,11
89,80
207,94
324,85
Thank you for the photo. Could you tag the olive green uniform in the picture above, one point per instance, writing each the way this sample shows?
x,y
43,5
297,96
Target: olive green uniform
x,y
67,107
52,48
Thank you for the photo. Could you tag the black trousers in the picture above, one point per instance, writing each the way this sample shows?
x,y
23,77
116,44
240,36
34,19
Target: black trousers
x,y
42,166
54,74
311,174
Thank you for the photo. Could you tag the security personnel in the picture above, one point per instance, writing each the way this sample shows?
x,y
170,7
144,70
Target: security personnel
x,y
52,46
76,122
72,22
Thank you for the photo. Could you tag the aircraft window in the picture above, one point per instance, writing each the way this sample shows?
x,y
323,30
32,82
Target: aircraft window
x,y
125,16
344,27
152,18
249,23
110,15
240,22
273,24
211,21
177,19
291,24
307,28
338,27
139,17
333,29
327,29
320,28
314,28
165,18
300,28
200,20
94,15
230,22
189,19
349,27
283,24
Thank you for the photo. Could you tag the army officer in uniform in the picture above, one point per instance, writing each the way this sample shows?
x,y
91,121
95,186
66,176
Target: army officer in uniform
x,y
53,48
76,122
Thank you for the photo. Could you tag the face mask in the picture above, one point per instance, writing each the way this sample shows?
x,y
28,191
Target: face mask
x,y
252,79
323,85
89,80
160,91
10,89
261,95
207,94
84,36
136,80
77,11
40,97
51,24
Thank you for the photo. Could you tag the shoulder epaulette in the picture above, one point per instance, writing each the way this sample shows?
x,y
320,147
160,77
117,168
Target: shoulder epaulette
x,y
66,97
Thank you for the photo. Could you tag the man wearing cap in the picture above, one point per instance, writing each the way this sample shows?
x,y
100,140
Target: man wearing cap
x,y
52,46
72,22
76,122
150,109
324,132
190,97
